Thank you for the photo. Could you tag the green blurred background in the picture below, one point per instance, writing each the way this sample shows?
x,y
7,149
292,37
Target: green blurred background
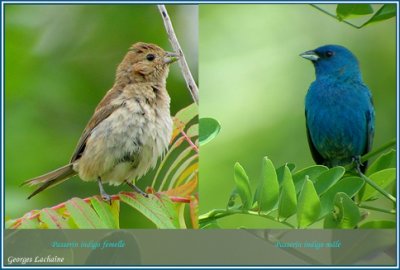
x,y
59,62
254,83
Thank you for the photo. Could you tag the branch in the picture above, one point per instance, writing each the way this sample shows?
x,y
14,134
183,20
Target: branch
x,y
333,16
220,213
194,91
194,147
376,186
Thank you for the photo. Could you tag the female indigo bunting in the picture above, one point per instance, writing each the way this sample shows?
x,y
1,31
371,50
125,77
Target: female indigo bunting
x,y
130,128
340,115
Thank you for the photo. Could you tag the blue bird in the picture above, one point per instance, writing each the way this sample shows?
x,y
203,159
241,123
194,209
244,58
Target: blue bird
x,y
340,115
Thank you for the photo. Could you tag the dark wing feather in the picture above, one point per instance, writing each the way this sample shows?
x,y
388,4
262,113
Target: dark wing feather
x,y
370,118
315,154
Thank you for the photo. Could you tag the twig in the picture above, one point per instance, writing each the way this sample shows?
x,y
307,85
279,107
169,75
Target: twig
x,y
392,211
333,16
194,146
374,185
194,91
220,213
390,144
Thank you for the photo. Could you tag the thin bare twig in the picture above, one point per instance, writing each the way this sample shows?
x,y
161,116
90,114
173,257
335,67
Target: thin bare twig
x,y
194,91
193,145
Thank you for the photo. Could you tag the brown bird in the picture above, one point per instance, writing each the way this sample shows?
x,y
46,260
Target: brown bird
x,y
130,128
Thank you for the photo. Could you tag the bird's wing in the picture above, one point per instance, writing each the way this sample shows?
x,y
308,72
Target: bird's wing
x,y
102,112
315,154
370,118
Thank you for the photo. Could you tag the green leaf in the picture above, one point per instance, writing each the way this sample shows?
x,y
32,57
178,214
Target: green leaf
x,y
104,210
386,12
287,205
83,215
158,209
243,186
52,219
349,185
327,179
345,215
268,187
383,179
281,171
193,131
181,169
180,163
209,129
308,207
115,212
385,161
379,224
312,172
344,11
187,113
232,198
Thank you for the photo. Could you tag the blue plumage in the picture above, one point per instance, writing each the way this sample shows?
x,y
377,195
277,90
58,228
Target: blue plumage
x,y
340,115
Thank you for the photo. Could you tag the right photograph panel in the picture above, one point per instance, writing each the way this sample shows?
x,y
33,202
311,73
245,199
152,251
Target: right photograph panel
x,y
298,104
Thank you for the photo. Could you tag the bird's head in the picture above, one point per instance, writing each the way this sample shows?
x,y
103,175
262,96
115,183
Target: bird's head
x,y
333,60
145,62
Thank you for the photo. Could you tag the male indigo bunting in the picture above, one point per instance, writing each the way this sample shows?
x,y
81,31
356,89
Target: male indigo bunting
x,y
340,116
130,128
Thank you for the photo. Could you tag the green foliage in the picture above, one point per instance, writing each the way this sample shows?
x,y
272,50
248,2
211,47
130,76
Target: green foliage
x,y
345,213
243,186
309,205
383,178
310,195
209,129
346,11
159,209
287,200
268,187
94,213
386,12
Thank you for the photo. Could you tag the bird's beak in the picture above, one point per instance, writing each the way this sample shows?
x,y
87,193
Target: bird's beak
x,y
171,57
310,55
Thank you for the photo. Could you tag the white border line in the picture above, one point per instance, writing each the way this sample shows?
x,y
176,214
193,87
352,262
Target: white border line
x,y
183,3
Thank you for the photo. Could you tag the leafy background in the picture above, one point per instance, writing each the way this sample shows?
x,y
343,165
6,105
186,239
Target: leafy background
x,y
254,71
60,61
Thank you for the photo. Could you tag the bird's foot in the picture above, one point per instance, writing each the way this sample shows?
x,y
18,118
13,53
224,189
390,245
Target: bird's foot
x,y
138,190
103,194
357,161
106,197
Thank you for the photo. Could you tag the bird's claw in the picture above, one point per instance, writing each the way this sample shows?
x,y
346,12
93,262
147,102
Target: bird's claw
x,y
106,198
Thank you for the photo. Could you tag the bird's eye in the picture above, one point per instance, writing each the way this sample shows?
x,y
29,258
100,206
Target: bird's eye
x,y
329,54
150,57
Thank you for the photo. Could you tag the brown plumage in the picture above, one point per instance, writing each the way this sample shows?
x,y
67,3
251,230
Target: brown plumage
x,y
130,128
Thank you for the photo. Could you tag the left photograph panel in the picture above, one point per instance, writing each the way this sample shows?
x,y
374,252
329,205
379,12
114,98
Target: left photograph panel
x,y
100,127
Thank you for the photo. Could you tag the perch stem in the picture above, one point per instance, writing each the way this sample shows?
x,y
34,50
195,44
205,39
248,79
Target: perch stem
x,y
220,213
194,91
333,16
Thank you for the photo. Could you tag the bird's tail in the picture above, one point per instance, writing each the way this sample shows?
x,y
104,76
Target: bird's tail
x,y
50,179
